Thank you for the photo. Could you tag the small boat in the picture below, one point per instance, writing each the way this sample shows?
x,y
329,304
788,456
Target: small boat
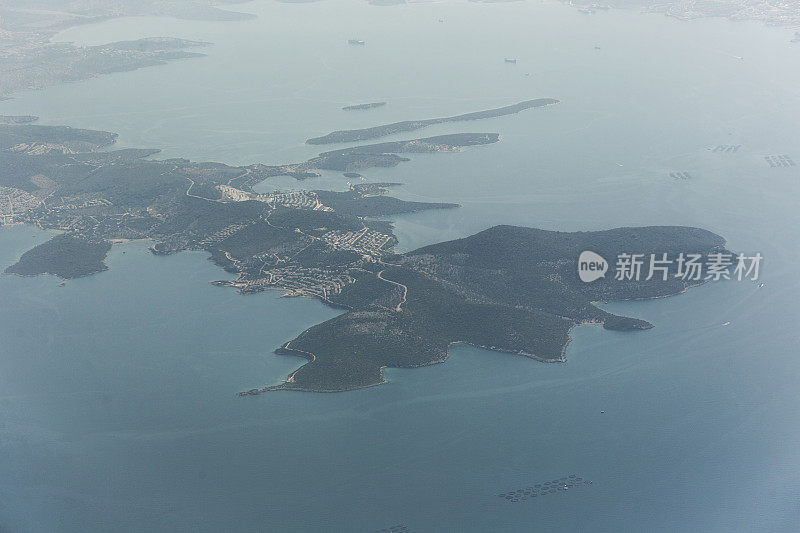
x,y
510,60
727,323
358,42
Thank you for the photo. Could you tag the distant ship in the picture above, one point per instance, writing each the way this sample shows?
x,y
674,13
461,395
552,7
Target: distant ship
x,y
508,60
358,42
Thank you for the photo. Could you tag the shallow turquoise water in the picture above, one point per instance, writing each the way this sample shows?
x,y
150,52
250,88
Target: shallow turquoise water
x,y
117,392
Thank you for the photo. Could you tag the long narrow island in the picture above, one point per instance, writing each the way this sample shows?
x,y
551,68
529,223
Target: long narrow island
x,y
363,107
375,132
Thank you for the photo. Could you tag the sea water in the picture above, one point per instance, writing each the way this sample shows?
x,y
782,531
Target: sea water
x,y
117,392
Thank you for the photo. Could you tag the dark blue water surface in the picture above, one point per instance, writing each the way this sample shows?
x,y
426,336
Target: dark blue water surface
x,y
117,392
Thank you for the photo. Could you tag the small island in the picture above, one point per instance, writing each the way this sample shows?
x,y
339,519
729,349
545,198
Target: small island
x,y
65,256
361,107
